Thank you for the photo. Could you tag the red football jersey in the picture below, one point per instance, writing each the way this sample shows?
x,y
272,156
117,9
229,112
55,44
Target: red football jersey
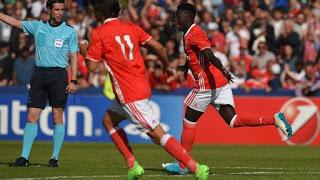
x,y
206,75
117,43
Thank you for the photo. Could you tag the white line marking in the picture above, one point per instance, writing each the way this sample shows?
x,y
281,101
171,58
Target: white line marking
x,y
265,168
178,176
266,172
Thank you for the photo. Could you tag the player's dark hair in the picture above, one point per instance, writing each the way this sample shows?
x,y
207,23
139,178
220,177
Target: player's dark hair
x,y
106,8
187,10
50,3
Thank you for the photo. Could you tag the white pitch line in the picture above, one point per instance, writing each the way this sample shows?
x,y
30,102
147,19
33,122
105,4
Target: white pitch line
x,y
268,172
265,168
178,176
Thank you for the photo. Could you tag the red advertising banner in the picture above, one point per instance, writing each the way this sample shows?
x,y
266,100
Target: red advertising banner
x,y
302,113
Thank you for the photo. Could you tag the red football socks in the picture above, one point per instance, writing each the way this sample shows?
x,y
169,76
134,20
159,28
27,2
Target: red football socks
x,y
120,139
173,147
246,119
187,137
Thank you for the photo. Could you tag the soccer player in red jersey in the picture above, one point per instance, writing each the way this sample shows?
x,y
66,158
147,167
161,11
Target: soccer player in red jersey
x,y
211,87
117,44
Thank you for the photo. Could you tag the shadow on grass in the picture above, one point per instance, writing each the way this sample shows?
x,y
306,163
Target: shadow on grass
x,y
163,171
155,169
10,164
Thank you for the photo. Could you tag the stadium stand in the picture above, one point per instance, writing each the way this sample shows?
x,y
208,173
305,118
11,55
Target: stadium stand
x,y
271,47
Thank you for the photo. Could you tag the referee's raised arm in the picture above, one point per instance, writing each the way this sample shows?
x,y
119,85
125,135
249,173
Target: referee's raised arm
x,y
10,20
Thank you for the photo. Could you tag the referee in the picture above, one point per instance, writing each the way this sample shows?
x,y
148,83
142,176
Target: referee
x,y
54,42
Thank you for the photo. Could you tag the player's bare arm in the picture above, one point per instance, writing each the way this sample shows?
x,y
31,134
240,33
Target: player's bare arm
x,y
216,62
160,50
92,66
184,68
162,53
72,86
83,47
11,21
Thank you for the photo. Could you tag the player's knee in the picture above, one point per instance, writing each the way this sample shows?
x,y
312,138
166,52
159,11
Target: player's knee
x,y
192,115
57,115
33,115
227,113
156,134
107,122
231,121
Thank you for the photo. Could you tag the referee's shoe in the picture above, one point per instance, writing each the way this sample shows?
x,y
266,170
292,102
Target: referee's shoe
x,y
53,163
20,162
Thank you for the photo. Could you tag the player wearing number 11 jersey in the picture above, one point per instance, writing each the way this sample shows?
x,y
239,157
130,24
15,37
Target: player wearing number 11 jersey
x,y
117,44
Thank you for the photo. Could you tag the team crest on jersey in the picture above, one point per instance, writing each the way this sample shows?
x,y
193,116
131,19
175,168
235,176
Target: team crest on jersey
x,y
304,117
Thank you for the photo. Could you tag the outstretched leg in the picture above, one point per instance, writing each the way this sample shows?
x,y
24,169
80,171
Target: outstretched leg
x,y
233,119
228,113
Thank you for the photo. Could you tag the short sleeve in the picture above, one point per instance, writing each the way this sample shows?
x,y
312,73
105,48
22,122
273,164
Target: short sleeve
x,y
95,48
144,37
74,48
30,27
199,38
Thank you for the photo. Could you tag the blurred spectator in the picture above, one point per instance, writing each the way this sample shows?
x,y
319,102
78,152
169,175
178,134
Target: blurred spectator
x,y
233,42
216,37
288,58
240,67
261,59
290,78
36,7
311,81
6,65
97,79
222,57
288,36
310,48
172,50
262,23
44,15
21,11
206,19
266,29
301,25
158,79
267,79
23,68
5,30
277,22
22,42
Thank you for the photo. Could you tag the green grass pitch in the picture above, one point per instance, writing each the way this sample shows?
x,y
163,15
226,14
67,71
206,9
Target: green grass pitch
x,y
102,161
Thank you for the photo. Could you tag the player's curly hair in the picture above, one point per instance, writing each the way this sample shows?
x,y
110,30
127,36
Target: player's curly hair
x,y
188,10
106,8
50,3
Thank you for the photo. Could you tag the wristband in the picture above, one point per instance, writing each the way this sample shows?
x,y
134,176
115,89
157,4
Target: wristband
x,y
75,82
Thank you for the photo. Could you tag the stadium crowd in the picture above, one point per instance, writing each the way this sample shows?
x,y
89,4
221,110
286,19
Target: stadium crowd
x,y
265,44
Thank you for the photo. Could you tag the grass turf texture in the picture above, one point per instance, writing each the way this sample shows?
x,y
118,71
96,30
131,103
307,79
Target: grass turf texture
x,y
102,161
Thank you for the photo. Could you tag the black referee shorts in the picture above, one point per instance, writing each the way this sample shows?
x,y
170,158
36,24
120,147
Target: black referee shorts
x,y
48,83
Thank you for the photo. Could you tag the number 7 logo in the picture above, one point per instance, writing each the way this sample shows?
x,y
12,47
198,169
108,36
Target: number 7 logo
x,y
128,41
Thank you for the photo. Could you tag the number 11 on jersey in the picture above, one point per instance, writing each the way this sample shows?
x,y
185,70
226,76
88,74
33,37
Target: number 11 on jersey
x,y
129,44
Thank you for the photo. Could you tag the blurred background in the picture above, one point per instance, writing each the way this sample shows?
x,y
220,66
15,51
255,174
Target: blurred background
x,y
271,47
